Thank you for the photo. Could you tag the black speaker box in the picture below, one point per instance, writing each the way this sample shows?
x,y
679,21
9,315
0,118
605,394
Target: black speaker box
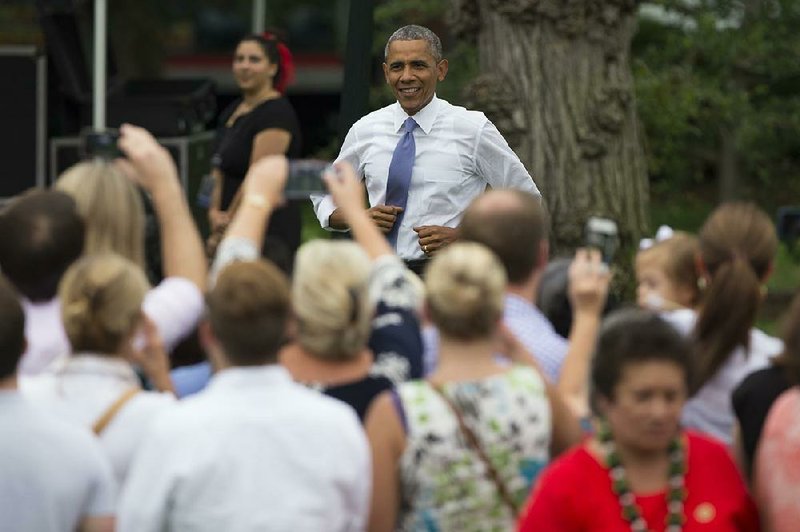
x,y
23,107
167,108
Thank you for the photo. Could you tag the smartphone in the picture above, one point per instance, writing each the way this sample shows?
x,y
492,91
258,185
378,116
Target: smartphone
x,y
602,234
100,143
305,178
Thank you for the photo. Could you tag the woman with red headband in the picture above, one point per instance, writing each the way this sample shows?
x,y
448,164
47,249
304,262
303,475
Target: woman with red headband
x,y
262,122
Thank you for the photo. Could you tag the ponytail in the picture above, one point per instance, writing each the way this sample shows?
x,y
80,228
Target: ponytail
x,y
737,246
285,75
731,303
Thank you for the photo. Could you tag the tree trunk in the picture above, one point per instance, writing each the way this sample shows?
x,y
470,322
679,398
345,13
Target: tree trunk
x,y
727,166
556,80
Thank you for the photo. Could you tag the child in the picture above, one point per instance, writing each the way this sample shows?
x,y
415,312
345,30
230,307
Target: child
x,y
666,275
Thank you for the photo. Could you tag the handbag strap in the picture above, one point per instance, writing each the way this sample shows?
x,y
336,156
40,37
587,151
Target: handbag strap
x,y
475,444
103,421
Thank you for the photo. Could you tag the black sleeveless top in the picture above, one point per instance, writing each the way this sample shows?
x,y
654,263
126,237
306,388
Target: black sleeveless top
x,y
233,149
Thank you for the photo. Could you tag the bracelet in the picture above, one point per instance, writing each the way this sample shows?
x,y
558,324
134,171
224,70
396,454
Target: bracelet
x,y
257,200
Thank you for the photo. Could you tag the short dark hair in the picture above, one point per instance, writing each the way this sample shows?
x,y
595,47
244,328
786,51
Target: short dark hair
x,y
630,336
12,330
552,295
248,310
513,233
414,32
41,234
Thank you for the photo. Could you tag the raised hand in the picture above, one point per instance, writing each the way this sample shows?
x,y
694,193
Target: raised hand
x,y
589,278
147,351
267,178
146,162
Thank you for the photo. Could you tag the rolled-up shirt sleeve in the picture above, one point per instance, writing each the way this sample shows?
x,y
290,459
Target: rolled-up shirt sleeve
x,y
323,208
498,164
323,203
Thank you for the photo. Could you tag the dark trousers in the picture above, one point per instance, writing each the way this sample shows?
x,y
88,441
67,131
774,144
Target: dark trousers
x,y
417,265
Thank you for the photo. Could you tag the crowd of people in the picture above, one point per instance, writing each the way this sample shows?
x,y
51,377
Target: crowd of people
x,y
410,378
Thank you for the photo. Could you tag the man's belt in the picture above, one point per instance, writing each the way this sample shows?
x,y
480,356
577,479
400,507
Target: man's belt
x,y
417,265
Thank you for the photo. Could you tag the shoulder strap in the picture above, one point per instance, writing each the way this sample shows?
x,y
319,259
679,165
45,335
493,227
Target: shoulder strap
x,y
103,421
475,444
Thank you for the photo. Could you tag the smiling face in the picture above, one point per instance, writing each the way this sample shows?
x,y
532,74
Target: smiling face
x,y
645,410
412,72
251,67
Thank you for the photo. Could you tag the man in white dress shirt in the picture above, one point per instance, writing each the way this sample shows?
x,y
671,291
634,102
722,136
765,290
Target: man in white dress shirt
x,y
457,152
53,476
254,450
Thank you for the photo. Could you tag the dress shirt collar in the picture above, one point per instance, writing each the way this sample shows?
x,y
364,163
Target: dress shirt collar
x,y
238,377
424,117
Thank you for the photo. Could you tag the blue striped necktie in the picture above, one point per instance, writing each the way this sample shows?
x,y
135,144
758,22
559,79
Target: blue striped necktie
x,y
399,178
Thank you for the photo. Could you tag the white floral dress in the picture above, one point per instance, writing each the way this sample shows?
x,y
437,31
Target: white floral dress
x,y
445,485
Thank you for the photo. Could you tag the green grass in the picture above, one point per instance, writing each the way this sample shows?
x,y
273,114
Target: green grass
x,y
311,228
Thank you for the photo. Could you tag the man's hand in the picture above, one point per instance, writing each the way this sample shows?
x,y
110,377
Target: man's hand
x,y
589,278
384,216
432,238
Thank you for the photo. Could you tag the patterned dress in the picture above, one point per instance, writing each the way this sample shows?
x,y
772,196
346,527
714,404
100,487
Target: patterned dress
x,y
445,485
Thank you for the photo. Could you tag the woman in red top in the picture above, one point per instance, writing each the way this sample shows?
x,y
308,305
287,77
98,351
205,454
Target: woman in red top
x,y
641,472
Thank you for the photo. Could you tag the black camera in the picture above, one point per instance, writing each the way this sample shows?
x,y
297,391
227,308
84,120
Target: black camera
x,y
602,234
100,143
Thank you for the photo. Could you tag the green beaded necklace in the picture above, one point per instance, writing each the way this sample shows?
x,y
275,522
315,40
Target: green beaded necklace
x,y
676,491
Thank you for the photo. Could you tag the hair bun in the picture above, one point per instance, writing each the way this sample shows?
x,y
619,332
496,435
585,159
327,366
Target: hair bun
x,y
76,308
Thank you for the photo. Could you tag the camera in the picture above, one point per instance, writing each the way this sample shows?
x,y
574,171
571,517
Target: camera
x,y
100,143
305,178
602,234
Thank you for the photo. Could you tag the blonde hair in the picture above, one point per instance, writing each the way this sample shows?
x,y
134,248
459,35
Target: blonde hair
x,y
675,256
111,207
101,299
330,298
465,285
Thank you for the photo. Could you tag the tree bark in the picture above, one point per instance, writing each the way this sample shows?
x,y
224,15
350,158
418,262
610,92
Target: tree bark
x,y
727,166
556,79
